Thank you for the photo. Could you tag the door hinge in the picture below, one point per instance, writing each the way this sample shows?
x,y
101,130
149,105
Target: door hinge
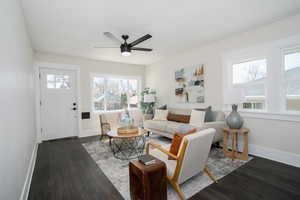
x,y
40,103
39,75
41,130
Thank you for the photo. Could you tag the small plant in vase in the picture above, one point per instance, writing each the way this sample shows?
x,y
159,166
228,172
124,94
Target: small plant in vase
x,y
148,100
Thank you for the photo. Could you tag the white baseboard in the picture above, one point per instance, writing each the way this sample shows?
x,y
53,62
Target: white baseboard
x,y
271,154
276,155
26,187
89,132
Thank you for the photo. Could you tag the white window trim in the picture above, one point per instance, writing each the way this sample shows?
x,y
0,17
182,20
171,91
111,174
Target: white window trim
x,y
93,75
273,51
283,95
291,117
242,59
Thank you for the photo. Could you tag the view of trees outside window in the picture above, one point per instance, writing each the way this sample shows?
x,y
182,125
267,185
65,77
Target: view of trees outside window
x,y
57,81
98,93
292,77
114,94
251,77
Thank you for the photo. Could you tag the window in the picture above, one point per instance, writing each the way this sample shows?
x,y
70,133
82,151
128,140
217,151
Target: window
x,y
110,94
57,81
292,80
250,78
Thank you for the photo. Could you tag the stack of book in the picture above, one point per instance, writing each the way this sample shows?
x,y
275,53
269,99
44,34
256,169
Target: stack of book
x,y
147,159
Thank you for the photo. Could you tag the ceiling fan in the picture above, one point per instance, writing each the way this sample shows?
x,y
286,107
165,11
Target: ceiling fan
x,y
125,47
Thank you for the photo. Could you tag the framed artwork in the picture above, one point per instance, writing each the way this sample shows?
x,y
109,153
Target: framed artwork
x,y
189,86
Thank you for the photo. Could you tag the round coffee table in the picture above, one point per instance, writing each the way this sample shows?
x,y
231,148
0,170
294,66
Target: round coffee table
x,y
127,146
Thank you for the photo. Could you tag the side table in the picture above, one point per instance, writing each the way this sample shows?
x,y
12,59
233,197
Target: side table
x,y
234,154
148,182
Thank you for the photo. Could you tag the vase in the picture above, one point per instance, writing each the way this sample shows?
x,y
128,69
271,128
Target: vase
x,y
234,119
126,119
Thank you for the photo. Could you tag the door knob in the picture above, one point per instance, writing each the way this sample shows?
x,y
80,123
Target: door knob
x,y
74,104
74,108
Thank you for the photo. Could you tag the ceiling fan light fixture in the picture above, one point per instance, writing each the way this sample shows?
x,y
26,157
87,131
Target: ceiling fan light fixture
x,y
125,50
125,53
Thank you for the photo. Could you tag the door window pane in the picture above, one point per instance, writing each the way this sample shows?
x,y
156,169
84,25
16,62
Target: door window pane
x,y
62,82
50,81
55,81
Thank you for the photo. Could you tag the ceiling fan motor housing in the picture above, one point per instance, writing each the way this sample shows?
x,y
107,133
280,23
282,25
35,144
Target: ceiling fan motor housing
x,y
125,48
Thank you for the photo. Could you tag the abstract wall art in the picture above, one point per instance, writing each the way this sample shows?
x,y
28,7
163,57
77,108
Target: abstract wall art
x,y
189,84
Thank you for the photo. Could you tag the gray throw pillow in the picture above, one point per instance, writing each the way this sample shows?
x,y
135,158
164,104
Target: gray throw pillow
x,y
209,115
163,107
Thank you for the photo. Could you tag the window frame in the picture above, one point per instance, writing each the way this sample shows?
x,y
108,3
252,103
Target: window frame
x,y
112,76
243,59
283,90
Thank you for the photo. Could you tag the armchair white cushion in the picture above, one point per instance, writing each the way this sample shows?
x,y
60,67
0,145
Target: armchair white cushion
x,y
191,158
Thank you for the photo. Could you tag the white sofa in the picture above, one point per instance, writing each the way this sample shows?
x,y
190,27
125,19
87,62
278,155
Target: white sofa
x,y
168,128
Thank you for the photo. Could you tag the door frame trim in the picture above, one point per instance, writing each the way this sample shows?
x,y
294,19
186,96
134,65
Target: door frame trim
x,y
49,65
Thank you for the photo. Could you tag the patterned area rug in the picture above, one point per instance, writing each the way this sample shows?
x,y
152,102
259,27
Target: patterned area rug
x,y
117,170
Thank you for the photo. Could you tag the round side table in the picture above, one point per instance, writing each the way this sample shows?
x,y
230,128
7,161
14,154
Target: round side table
x,y
127,146
234,133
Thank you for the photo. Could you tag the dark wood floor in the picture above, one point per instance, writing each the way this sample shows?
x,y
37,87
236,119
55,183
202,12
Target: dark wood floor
x,y
65,171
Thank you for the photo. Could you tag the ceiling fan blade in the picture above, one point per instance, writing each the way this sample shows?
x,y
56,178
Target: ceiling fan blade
x,y
113,37
142,39
105,47
140,49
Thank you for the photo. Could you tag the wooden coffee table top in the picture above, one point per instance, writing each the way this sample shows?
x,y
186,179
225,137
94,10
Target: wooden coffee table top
x,y
114,134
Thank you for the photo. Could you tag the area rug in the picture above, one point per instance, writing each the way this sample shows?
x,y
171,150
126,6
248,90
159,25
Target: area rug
x,y
117,170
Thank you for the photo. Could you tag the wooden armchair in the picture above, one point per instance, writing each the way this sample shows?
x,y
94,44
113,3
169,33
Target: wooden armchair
x,y
105,128
190,161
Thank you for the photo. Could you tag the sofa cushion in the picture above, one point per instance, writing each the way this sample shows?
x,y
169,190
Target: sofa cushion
x,y
178,118
186,128
157,125
172,127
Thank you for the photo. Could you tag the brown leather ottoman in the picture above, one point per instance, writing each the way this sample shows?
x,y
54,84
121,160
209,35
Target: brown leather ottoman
x,y
148,182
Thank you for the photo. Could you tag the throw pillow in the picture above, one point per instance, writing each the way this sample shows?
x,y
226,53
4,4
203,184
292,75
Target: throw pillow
x,y
197,118
209,115
179,118
160,115
176,142
163,107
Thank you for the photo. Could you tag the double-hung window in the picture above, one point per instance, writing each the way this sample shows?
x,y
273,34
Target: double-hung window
x,y
292,79
114,93
250,78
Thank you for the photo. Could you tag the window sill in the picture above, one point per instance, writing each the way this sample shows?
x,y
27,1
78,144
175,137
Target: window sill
x,y
288,116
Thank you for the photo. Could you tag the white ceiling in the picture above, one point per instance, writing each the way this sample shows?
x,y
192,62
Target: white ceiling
x,y
74,27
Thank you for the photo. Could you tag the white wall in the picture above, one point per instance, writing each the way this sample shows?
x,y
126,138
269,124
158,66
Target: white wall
x,y
17,126
271,134
88,67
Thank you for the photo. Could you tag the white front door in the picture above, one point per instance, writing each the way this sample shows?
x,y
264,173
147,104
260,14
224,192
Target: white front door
x,y
58,103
